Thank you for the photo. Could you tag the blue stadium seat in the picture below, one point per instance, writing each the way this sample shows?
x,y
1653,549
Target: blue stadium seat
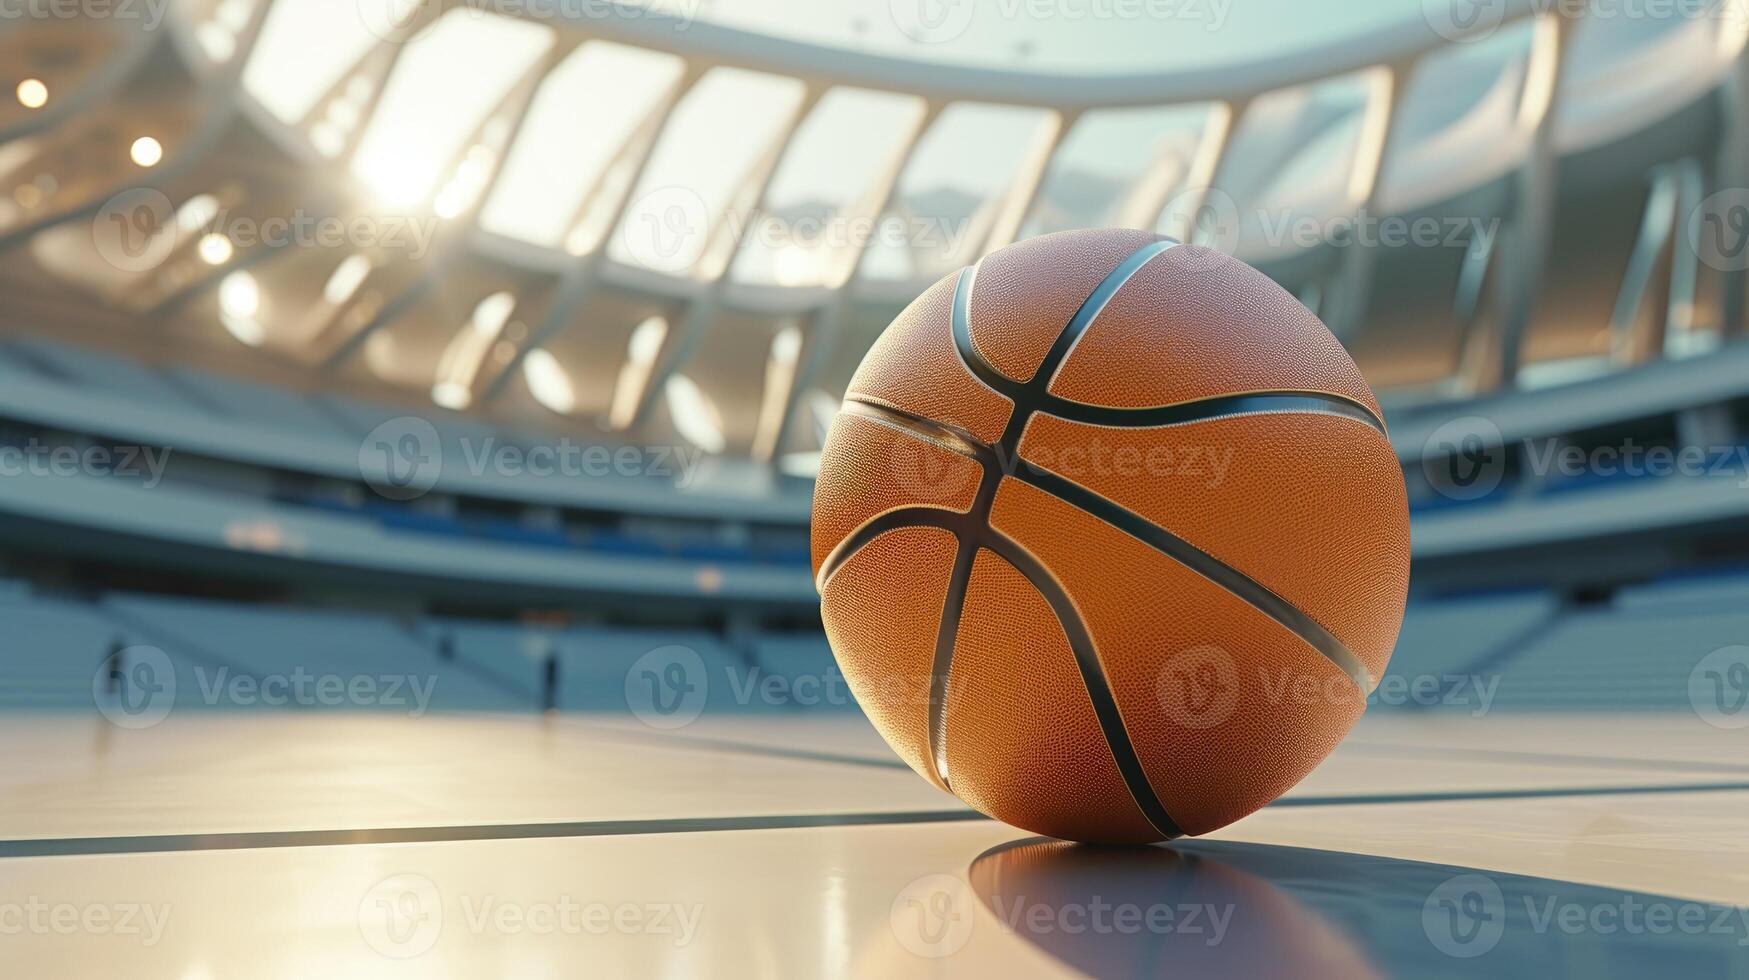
x,y
512,653
265,641
805,663
1719,588
111,374
1454,636
1610,659
599,666
257,402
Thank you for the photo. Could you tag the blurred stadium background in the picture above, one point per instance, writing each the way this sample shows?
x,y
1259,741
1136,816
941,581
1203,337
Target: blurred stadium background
x,y
495,342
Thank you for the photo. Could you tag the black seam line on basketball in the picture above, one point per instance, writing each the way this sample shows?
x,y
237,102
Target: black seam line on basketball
x,y
1028,394
1208,566
1034,395
959,441
942,436
979,531
953,609
951,521
1210,409
1105,710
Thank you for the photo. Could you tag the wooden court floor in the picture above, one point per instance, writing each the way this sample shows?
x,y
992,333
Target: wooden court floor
x,y
343,845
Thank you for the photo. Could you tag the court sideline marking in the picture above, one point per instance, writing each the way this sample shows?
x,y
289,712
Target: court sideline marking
x,y
247,840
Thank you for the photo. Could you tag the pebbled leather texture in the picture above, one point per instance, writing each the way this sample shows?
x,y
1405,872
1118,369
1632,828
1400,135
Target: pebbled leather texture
x,y
1220,696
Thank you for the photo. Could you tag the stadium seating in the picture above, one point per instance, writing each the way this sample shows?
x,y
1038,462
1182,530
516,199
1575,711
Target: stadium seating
x,y
51,652
266,642
1616,660
1534,653
1458,635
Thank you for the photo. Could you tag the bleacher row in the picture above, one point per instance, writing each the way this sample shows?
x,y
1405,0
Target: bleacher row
x,y
1725,464
58,653
1481,653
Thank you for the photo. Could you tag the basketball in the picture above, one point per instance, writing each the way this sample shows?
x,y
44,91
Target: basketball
x,y
1109,537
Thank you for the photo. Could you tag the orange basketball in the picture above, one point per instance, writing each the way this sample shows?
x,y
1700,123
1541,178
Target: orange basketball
x,y
1109,537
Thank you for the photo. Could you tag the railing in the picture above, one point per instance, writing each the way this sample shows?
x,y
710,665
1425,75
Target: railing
x,y
1507,271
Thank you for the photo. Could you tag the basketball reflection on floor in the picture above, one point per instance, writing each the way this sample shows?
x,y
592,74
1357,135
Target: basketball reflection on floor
x,y
1216,908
